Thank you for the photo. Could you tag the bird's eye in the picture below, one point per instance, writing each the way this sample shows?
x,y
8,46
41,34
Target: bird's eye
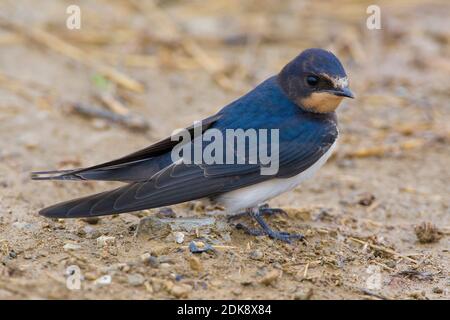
x,y
312,81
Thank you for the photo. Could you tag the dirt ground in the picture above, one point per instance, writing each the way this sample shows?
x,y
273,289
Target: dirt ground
x,y
376,217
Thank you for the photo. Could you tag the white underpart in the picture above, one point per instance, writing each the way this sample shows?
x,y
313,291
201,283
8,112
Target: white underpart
x,y
238,200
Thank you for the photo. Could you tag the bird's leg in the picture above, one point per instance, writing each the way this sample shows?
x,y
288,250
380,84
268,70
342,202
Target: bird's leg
x,y
257,214
239,215
278,235
250,231
264,210
241,226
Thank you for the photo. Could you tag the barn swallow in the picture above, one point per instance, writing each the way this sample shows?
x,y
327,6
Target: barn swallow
x,y
300,101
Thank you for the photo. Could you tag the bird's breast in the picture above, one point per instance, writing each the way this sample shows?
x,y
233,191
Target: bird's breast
x,y
237,200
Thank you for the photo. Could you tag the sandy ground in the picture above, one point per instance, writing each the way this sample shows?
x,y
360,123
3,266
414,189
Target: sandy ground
x,y
361,214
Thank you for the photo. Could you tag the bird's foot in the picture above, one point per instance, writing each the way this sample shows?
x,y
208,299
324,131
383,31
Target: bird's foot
x,y
264,210
251,231
284,236
258,214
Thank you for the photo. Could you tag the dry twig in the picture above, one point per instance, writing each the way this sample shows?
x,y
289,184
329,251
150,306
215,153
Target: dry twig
x,y
52,42
383,249
211,65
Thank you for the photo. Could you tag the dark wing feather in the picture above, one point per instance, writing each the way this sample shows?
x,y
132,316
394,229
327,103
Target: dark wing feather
x,y
136,166
165,188
181,182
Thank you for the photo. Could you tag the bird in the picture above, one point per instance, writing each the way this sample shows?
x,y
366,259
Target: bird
x,y
300,102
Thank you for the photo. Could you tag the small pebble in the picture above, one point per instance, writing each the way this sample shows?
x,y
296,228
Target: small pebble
x,y
103,280
179,237
165,265
89,232
150,260
181,290
145,257
437,290
105,241
126,268
28,256
256,255
199,247
160,284
270,277
178,277
303,295
195,263
166,212
22,225
153,262
71,247
91,276
154,226
366,199
136,279
216,283
237,291
391,264
166,259
226,237
246,283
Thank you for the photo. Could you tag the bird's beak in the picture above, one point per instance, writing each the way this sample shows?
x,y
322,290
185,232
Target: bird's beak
x,y
344,92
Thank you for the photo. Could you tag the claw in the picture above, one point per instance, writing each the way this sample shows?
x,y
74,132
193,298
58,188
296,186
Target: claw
x,y
258,214
263,210
272,211
285,236
250,231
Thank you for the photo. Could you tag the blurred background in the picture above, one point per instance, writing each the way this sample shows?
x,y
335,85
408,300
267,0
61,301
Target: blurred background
x,y
136,70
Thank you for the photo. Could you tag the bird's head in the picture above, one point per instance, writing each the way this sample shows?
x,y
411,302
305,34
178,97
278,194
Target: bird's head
x,y
315,80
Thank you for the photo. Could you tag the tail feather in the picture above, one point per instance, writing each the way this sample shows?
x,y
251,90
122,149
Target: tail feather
x,y
129,172
56,175
83,207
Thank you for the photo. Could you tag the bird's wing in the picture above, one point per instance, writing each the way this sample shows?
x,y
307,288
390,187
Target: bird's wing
x,y
174,184
136,166
182,182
